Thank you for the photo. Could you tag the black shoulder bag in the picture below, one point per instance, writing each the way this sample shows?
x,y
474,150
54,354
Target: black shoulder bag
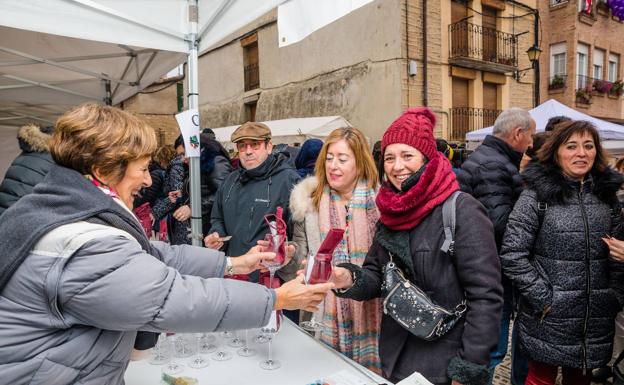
x,y
409,305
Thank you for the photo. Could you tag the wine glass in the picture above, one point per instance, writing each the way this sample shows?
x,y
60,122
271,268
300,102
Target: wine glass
x,y
277,245
236,342
181,346
207,343
221,355
319,267
246,351
172,367
160,350
271,329
198,361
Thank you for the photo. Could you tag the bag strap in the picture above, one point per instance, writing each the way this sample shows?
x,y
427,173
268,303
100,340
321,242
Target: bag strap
x,y
448,221
541,212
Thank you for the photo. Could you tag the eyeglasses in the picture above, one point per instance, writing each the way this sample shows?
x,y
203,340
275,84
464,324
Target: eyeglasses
x,y
254,145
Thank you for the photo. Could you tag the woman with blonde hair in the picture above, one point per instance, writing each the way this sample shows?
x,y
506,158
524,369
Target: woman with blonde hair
x,y
341,194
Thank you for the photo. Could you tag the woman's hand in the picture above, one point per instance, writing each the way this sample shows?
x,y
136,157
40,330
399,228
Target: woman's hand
x,y
295,295
174,195
616,248
212,241
291,248
182,213
341,278
251,261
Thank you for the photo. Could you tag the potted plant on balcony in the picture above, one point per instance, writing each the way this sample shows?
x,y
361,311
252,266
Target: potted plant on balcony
x,y
584,95
617,89
602,86
557,82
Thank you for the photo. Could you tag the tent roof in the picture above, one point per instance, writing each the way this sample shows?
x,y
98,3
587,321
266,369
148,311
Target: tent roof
x,y
317,127
550,108
58,53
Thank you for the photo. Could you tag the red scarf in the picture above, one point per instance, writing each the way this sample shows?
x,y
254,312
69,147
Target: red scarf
x,y
404,211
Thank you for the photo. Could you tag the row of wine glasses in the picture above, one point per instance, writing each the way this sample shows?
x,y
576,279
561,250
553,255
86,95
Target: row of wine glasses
x,y
194,346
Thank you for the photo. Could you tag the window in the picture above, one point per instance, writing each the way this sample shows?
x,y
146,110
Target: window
x,y
251,62
582,52
598,66
614,62
558,59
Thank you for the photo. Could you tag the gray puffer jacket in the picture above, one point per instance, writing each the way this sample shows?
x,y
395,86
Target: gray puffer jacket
x,y
70,312
570,291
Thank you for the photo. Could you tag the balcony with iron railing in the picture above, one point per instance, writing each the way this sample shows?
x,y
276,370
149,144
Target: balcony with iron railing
x,y
483,48
252,77
466,119
587,87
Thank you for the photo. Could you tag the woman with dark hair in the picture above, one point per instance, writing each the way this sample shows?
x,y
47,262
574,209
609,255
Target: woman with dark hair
x,y
570,291
215,166
410,232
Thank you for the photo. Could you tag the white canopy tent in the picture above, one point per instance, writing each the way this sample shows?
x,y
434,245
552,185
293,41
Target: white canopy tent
x,y
58,53
290,131
612,134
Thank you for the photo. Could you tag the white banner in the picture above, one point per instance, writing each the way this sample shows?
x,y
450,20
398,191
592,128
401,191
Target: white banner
x,y
188,121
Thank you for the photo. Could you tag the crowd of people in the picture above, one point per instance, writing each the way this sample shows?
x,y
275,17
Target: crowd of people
x,y
97,257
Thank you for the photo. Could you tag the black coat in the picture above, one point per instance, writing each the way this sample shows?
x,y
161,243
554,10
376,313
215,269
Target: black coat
x,y
156,190
490,174
473,273
563,270
29,168
246,196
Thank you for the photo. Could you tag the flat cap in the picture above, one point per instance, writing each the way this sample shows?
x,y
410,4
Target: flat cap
x,y
251,130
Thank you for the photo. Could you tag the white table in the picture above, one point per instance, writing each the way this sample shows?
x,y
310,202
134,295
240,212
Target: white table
x,y
303,359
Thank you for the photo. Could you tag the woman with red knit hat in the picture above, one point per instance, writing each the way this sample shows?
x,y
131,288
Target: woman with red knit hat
x,y
417,181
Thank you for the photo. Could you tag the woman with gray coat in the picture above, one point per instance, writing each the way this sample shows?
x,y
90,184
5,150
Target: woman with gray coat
x,y
79,278
570,290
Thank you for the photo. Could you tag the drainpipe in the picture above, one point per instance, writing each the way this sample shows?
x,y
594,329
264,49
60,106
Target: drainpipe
x,y
424,33
536,67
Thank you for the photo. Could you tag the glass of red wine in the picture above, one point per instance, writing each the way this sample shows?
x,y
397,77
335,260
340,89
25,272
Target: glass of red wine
x,y
318,270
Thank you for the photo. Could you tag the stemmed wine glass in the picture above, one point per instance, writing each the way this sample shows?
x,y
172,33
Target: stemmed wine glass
x,y
319,267
198,361
271,329
246,351
159,356
221,355
172,367
207,343
236,342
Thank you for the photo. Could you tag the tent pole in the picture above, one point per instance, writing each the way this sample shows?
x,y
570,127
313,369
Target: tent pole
x,y
193,102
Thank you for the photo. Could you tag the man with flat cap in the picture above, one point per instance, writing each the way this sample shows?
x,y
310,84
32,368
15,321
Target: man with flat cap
x,y
257,188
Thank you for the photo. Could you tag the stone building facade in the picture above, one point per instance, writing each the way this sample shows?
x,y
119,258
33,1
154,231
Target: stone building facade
x,y
369,66
582,59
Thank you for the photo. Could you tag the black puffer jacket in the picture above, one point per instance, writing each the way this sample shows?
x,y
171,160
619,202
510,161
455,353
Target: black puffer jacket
x,y
29,168
246,196
473,273
490,174
563,270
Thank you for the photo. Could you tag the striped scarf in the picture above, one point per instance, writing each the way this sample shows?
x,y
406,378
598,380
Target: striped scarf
x,y
352,327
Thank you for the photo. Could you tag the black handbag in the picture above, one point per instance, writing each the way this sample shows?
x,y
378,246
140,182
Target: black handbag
x,y
409,305
412,308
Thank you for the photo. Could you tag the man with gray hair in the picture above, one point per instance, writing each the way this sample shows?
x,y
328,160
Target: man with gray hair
x,y
491,175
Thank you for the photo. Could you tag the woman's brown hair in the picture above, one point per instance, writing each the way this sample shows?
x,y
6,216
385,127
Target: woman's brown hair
x,y
164,155
363,160
90,137
562,133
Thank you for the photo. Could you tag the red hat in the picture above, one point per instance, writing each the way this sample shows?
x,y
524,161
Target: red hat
x,y
415,128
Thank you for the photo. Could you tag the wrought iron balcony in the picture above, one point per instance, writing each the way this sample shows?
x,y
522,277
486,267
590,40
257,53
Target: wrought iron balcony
x,y
482,48
466,119
252,77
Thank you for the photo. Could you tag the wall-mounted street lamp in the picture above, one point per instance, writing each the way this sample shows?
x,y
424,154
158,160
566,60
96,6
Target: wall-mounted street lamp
x,y
533,53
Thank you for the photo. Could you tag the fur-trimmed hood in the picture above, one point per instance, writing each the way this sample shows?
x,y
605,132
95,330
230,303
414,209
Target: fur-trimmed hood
x,y
552,186
32,138
301,198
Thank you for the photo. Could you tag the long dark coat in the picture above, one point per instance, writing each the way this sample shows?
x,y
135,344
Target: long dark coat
x,y
568,285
